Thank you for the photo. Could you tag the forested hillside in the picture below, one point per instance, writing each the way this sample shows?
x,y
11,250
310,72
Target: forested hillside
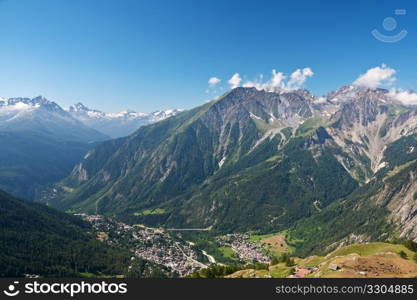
x,y
38,240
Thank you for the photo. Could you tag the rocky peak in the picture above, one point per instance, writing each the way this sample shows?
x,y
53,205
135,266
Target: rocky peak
x,y
353,93
267,106
23,103
78,107
359,105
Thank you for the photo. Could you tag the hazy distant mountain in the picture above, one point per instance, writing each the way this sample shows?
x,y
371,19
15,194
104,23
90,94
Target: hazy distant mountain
x,y
45,117
117,124
255,160
40,143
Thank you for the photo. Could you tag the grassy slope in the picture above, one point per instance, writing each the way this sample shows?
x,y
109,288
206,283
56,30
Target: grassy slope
x,y
368,252
370,256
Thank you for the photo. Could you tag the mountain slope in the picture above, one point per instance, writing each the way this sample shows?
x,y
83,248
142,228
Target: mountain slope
x,y
269,196
384,208
28,161
38,240
117,124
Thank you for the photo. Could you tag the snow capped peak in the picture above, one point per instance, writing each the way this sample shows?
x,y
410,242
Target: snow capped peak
x,y
117,124
40,100
23,104
16,105
78,107
80,112
128,113
163,114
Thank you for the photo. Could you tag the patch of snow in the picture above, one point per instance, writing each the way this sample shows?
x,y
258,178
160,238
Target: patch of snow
x,y
380,166
222,161
253,116
87,155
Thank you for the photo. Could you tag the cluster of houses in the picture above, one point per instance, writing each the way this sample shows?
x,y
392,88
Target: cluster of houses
x,y
153,244
301,272
244,248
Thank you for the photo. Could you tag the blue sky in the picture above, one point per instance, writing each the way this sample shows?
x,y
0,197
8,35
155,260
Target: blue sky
x,y
149,55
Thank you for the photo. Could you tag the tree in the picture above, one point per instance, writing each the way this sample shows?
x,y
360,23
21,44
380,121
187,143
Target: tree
x,y
290,262
411,245
274,261
402,254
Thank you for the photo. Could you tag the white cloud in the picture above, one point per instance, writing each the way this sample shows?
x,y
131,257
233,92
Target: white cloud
x,y
279,82
320,100
375,77
213,81
275,84
235,80
298,77
384,75
406,97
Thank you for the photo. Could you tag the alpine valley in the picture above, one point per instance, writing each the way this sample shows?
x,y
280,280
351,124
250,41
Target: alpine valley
x,y
248,179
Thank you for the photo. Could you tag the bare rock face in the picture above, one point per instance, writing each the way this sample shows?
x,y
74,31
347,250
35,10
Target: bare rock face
x,y
367,121
401,200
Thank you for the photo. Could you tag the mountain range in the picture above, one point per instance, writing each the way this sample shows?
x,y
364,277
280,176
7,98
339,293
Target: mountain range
x,y
117,124
326,170
43,116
